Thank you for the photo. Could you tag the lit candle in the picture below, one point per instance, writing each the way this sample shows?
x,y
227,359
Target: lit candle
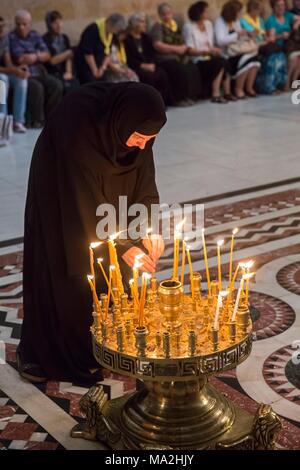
x,y
234,232
112,270
206,261
219,244
237,301
235,276
96,302
219,305
99,261
248,277
183,262
91,249
133,294
191,270
113,276
145,278
113,257
135,272
177,235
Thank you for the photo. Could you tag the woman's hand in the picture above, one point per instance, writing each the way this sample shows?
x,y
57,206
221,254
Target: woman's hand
x,y
215,51
155,246
148,264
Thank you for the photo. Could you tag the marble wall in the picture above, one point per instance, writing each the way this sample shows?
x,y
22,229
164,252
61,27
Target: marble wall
x,y
78,13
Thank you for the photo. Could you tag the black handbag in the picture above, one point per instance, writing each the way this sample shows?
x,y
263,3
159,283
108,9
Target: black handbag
x,y
271,48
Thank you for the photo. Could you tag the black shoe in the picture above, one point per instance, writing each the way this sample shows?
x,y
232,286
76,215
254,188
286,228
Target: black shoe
x,y
230,97
37,125
30,371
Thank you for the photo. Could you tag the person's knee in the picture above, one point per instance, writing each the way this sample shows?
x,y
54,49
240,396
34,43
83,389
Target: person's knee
x,y
54,85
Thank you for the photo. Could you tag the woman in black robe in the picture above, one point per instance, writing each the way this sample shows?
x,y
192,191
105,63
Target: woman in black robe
x,y
96,146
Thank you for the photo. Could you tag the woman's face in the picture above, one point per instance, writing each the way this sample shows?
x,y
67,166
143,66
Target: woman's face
x,y
205,14
57,26
279,8
255,12
166,15
139,140
141,25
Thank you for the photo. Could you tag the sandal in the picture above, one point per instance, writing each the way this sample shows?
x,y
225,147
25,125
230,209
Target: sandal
x,y
230,97
30,371
219,99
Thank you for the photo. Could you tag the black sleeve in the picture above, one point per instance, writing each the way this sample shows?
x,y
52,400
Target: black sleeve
x,y
149,51
146,190
67,42
89,39
134,58
48,41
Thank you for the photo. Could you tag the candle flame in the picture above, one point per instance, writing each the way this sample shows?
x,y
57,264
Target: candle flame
x,y
112,267
146,276
220,243
131,282
203,230
235,231
99,260
115,235
247,276
138,257
95,244
149,230
223,293
90,277
249,264
137,265
179,226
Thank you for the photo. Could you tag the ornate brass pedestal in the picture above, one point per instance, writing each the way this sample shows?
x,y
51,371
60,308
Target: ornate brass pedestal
x,y
178,408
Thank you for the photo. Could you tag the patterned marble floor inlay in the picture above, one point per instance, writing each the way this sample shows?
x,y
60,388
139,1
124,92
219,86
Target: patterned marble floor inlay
x,y
269,230
289,277
20,431
281,371
270,316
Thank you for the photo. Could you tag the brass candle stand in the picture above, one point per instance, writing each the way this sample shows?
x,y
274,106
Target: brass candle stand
x,y
174,353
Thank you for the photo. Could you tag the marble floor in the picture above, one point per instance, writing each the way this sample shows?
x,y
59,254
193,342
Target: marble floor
x,y
242,161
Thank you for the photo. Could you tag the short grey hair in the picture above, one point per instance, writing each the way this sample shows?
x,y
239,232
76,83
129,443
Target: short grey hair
x,y
136,17
117,21
163,6
23,15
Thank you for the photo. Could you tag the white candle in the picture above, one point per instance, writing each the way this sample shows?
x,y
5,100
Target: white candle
x,y
219,305
237,301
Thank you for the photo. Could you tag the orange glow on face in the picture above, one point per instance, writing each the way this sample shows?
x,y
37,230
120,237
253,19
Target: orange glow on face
x,y
139,140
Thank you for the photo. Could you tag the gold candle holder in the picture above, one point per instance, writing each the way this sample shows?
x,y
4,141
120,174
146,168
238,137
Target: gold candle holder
x,y
214,337
197,278
158,340
214,287
97,319
128,328
171,295
192,343
242,320
141,340
120,338
104,331
232,331
166,344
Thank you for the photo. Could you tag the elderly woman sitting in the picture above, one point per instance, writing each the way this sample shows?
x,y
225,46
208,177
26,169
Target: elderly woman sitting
x,y
141,56
172,55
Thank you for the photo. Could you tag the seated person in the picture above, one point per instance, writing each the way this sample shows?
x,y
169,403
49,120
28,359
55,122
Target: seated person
x,y
16,78
92,55
172,55
272,76
296,7
199,37
242,67
280,26
28,49
61,63
117,66
140,56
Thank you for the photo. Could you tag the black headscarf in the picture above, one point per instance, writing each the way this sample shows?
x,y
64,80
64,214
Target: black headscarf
x,y
107,114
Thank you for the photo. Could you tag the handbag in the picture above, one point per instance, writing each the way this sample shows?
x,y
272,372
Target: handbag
x,y
293,43
242,46
271,48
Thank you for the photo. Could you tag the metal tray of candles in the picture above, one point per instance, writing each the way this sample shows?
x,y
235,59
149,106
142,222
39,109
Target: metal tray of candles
x,y
173,342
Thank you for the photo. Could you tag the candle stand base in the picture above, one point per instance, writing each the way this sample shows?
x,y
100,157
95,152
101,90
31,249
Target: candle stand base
x,y
175,416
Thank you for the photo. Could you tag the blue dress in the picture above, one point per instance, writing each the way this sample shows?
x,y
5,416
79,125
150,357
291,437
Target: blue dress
x,y
273,72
